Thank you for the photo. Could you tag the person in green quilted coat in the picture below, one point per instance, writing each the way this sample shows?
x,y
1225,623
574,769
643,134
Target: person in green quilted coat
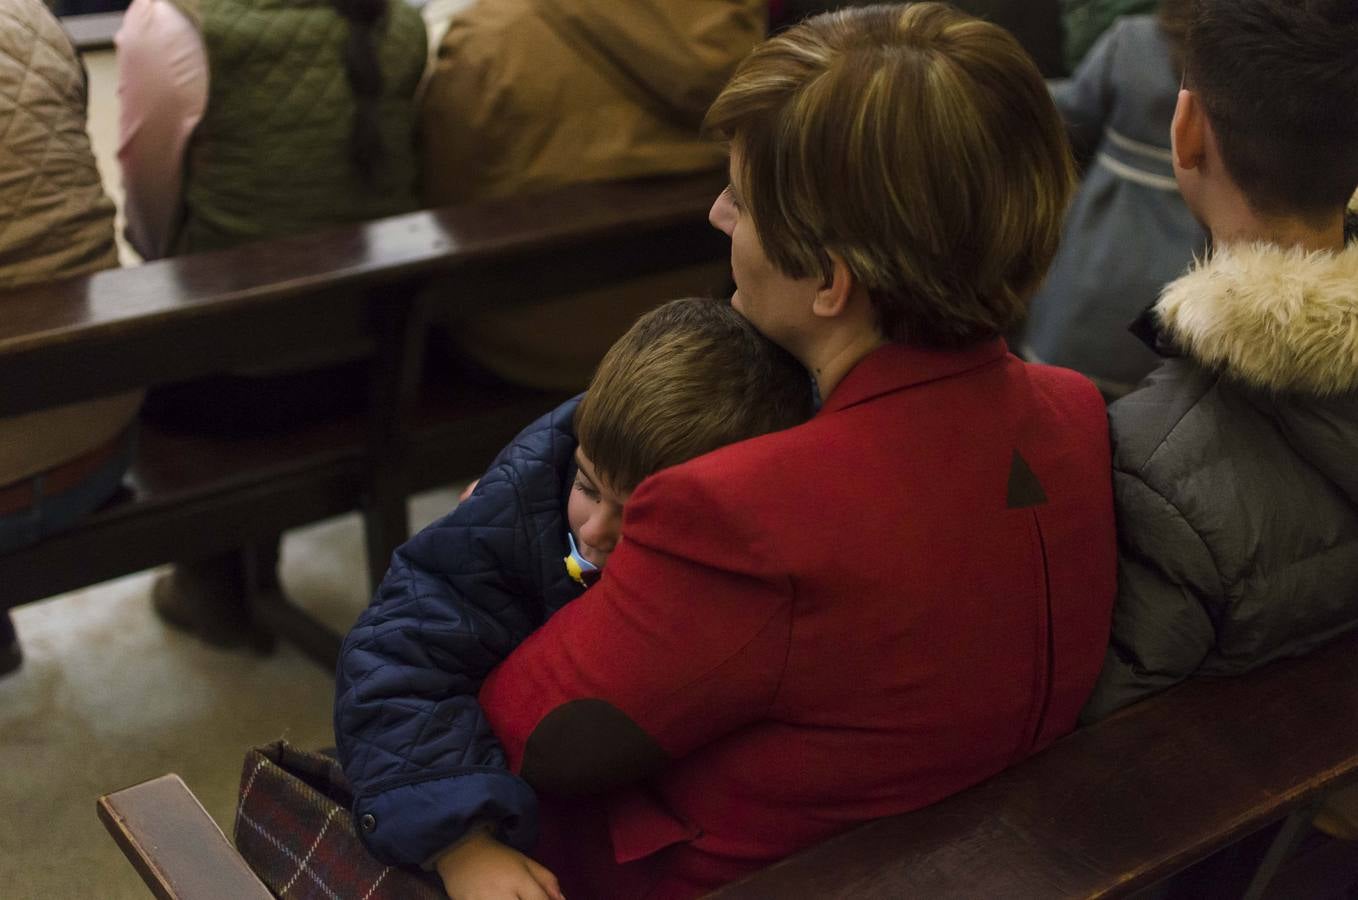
x,y
248,119
243,120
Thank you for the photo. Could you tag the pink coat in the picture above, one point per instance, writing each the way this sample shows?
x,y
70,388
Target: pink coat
x,y
838,622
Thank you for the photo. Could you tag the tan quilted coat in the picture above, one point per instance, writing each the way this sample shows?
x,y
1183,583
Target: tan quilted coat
x,y
530,95
55,220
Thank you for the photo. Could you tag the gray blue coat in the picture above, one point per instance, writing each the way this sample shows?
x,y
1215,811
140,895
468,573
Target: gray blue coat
x,y
1128,232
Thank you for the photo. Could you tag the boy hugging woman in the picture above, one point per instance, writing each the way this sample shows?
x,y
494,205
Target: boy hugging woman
x,y
687,378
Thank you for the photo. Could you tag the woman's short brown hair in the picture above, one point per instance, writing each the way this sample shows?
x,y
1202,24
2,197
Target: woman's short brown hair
x,y
688,377
918,144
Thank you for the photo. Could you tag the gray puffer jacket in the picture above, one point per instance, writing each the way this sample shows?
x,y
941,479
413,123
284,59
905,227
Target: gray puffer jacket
x,y
1236,474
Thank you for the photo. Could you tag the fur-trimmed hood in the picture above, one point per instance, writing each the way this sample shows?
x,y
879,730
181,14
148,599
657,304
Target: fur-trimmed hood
x,y
1285,324
1282,320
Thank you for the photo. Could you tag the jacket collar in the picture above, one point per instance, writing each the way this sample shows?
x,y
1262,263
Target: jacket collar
x,y
894,367
1276,318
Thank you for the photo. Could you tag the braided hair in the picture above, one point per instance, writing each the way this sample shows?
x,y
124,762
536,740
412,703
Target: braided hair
x,y
364,71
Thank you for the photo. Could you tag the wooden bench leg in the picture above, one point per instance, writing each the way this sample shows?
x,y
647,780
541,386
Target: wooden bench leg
x,y
386,525
399,321
11,655
280,616
394,388
1284,844
272,611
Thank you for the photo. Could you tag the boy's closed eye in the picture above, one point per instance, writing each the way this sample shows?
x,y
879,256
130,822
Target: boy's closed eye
x,y
585,487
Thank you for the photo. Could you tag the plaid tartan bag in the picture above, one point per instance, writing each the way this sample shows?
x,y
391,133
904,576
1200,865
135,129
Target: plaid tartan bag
x,y
294,829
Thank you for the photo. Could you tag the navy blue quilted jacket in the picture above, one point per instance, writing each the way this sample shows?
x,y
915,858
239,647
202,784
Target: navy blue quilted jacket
x,y
459,596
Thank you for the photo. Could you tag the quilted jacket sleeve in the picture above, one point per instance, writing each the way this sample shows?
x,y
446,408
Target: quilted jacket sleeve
x,y
683,640
411,735
1167,583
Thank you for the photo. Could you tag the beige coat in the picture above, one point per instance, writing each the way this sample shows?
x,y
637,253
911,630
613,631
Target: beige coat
x,y
55,221
529,95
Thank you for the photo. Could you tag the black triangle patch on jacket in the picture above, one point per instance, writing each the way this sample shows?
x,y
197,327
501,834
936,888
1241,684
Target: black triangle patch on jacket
x,y
1024,488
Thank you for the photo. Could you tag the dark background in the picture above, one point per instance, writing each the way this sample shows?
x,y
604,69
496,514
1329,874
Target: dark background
x,y
84,7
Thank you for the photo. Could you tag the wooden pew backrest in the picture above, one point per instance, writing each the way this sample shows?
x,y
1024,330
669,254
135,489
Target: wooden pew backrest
x,y
255,304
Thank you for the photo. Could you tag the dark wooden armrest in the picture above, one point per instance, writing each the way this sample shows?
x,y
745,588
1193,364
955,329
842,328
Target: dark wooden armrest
x,y
175,846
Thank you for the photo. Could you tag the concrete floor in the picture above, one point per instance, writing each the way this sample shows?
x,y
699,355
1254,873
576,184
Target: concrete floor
x,y
109,696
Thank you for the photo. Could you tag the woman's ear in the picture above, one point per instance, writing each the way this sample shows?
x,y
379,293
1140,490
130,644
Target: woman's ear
x,y
834,293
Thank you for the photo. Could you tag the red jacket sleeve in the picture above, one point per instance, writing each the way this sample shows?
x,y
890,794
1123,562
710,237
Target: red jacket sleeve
x,y
683,640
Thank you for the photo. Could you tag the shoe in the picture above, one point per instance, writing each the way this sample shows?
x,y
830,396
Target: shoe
x,y
11,654
208,600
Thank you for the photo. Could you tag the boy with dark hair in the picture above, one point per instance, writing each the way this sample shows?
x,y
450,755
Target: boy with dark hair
x,y
687,378
1237,496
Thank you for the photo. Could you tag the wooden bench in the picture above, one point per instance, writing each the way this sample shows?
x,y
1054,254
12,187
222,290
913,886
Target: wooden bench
x,y
92,31
363,290
1116,807
1105,812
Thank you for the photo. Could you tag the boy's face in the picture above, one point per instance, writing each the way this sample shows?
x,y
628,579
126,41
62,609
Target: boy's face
x,y
594,512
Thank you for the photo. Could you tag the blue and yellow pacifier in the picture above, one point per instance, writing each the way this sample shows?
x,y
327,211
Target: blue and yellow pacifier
x,y
581,570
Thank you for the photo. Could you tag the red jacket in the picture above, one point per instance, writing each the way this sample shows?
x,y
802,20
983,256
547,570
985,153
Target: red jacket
x,y
838,622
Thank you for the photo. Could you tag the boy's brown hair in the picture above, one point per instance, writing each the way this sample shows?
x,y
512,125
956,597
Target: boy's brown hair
x,y
917,143
687,378
1279,82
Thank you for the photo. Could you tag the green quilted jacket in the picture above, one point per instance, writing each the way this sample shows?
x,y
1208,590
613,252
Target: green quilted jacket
x,y
271,155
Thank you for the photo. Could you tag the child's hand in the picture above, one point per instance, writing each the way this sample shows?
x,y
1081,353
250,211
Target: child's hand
x,y
467,491
479,867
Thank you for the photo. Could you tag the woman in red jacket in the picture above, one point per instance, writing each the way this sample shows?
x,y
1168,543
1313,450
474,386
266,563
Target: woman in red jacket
x,y
861,615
